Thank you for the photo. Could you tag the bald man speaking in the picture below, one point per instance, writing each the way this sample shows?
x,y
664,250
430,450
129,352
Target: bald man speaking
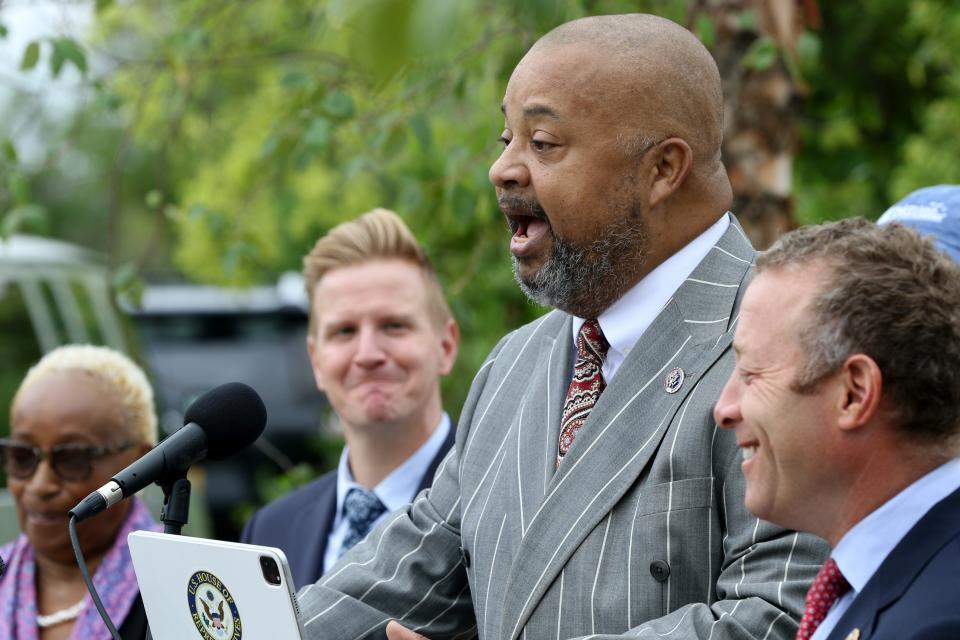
x,y
589,491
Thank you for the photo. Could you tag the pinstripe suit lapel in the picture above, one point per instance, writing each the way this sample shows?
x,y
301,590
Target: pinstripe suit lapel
x,y
626,426
536,446
556,381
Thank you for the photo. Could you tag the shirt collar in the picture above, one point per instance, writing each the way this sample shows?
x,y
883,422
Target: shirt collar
x,y
400,487
625,320
863,548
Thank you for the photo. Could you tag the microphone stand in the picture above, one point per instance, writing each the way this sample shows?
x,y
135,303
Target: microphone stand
x,y
176,504
175,511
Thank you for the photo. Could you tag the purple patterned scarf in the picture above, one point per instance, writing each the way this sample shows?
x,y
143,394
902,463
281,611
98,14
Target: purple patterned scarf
x,y
114,579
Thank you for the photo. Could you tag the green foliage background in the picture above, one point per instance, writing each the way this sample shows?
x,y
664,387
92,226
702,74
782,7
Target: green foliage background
x,y
276,121
883,115
216,140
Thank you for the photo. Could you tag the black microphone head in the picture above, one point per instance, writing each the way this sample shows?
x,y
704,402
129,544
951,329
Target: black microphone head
x,y
231,415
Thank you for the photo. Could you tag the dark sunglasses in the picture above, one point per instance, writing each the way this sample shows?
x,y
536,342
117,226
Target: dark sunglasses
x,y
70,461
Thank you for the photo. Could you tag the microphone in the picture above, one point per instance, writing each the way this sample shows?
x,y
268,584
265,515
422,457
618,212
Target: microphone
x,y
217,425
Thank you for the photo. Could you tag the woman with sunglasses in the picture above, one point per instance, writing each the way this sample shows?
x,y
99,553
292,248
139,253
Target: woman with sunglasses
x,y
80,415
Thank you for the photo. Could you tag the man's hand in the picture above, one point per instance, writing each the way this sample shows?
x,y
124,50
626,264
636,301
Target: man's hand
x,y
396,631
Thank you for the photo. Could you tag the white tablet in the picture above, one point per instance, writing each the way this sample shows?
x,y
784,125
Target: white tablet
x,y
196,588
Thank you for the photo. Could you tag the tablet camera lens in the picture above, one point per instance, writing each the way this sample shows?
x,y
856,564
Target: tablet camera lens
x,y
270,570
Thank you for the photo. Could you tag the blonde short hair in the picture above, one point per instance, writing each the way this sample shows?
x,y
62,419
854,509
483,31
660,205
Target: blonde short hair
x,y
379,234
115,370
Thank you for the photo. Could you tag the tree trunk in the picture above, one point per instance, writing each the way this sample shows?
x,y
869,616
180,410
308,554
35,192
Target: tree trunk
x,y
755,42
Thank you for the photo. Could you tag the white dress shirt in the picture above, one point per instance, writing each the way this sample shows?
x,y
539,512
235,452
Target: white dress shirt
x,y
625,320
863,549
395,491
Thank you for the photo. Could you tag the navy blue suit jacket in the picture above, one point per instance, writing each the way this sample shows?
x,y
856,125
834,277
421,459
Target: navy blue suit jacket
x,y
915,594
300,522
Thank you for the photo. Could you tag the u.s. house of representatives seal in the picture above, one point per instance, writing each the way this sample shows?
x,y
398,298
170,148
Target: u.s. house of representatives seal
x,y
212,607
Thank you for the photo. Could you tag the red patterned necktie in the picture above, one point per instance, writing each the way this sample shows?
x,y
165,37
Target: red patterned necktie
x,y
585,387
827,588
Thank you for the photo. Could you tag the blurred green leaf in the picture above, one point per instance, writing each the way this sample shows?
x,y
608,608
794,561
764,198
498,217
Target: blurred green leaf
x,y
392,140
237,256
380,38
196,212
19,187
704,29
269,146
302,158
66,50
153,199
421,130
354,166
544,13
9,151
30,56
747,20
761,54
57,60
340,11
839,133
808,50
128,284
317,134
24,218
73,52
295,79
189,43
338,104
464,203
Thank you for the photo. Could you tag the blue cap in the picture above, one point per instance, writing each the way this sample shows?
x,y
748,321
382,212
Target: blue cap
x,y
932,211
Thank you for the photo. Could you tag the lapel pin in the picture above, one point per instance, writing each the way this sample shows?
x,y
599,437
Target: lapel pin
x,y
854,635
674,380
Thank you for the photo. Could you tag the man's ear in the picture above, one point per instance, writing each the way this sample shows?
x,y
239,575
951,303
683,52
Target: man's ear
x,y
862,389
449,345
672,159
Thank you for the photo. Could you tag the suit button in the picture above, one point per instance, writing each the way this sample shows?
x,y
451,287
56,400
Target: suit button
x,y
465,557
660,570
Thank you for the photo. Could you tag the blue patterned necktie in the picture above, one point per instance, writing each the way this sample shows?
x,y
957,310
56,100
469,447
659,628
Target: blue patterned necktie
x,y
361,509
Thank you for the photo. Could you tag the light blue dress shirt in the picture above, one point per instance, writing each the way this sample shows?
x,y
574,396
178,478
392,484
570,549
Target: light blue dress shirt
x,y
863,549
396,490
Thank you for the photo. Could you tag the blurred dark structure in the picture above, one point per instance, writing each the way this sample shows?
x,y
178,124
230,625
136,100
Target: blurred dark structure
x,y
196,337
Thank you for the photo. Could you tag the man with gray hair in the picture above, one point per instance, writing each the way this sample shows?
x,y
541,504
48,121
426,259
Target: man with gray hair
x,y
589,492
844,402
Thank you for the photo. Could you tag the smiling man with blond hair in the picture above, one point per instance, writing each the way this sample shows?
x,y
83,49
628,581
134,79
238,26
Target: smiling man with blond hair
x,y
381,336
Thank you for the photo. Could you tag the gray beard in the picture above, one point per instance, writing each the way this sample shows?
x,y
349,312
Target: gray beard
x,y
584,281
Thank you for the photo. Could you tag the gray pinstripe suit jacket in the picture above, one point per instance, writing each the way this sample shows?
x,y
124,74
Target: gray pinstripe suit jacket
x,y
642,530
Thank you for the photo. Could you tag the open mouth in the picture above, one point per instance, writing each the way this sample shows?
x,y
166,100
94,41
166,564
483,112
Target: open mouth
x,y
528,224
748,452
526,228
